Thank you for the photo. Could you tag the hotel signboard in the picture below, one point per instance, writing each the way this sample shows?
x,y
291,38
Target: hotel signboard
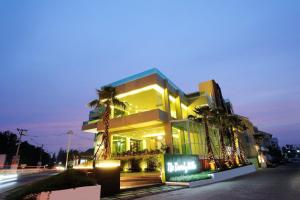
x,y
178,165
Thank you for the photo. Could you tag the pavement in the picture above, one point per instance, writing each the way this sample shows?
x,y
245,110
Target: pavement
x,y
134,180
142,192
280,183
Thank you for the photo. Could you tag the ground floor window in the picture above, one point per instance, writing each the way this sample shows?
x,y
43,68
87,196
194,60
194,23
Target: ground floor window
x,y
150,140
189,138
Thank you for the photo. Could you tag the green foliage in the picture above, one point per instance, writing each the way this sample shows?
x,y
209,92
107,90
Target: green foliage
x,y
191,178
152,164
29,153
65,180
135,165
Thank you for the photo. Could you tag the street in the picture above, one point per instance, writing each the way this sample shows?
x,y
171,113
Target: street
x,y
22,180
281,183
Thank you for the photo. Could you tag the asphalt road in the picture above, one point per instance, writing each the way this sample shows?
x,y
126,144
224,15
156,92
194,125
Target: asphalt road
x,y
281,183
22,180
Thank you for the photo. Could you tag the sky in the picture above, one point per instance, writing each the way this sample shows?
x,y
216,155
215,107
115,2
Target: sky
x,y
54,54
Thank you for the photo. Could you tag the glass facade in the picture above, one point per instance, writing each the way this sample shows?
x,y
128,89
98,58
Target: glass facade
x,y
189,138
149,99
138,141
172,107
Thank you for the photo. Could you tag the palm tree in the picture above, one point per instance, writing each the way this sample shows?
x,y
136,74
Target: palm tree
x,y
106,99
218,119
236,124
202,115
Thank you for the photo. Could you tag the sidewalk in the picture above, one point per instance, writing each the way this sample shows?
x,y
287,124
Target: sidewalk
x,y
142,192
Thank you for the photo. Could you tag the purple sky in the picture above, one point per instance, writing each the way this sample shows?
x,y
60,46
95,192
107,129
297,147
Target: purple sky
x,y
53,55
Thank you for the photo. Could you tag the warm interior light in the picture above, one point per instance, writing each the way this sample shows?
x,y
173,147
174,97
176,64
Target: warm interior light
x,y
82,167
172,98
108,163
160,137
154,135
184,106
149,87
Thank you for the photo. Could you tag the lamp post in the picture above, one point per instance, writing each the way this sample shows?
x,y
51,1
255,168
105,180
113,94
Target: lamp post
x,y
69,133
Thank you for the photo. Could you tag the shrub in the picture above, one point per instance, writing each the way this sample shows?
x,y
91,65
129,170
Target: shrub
x,y
135,165
65,180
152,164
190,178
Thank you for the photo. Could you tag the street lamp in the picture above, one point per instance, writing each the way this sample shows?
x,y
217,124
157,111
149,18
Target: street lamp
x,y
68,147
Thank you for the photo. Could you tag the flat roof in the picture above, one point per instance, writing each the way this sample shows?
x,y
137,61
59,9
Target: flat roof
x,y
142,75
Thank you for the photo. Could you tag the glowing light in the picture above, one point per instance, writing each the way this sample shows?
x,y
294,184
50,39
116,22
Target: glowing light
x,y
108,164
82,167
159,137
60,168
298,151
8,177
172,98
154,135
184,106
184,167
149,87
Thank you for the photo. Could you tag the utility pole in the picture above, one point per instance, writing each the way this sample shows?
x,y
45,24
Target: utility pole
x,y
21,133
16,158
69,133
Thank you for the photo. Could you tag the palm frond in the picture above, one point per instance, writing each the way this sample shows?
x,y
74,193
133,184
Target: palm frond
x,y
119,103
93,104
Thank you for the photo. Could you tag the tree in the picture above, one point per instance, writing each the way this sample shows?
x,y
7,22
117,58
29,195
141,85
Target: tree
x,y
236,125
29,154
8,144
217,118
202,115
106,98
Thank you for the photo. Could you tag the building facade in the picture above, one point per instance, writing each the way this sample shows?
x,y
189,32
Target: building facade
x,y
155,121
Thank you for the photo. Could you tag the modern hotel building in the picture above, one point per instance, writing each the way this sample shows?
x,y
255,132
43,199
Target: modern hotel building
x,y
156,122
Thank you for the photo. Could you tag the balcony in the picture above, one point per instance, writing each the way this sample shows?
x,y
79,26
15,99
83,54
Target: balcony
x,y
138,120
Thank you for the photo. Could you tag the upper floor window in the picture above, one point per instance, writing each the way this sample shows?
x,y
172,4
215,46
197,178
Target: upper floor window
x,y
144,100
172,106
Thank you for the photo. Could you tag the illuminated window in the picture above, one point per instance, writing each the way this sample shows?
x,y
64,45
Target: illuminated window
x,y
172,107
145,100
184,110
119,144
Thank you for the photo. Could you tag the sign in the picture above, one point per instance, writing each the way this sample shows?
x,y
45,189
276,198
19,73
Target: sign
x,y
178,165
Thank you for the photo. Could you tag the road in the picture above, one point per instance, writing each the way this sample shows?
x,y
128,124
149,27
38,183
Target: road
x,y
22,180
281,183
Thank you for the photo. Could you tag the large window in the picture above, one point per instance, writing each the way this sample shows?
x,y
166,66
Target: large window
x,y
119,144
139,141
189,138
184,110
180,136
172,106
142,101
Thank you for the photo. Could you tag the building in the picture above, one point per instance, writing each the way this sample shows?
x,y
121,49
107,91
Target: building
x,y
156,122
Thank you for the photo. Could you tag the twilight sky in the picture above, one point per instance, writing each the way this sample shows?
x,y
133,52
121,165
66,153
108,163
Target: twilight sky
x,y
54,54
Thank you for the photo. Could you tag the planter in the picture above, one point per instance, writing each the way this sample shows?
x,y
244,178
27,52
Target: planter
x,y
218,177
88,192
